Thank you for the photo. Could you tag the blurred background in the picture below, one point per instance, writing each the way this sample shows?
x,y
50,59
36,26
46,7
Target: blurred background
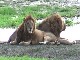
x,y
12,12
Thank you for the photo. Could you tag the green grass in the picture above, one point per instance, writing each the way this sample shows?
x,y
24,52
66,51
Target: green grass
x,y
8,15
20,58
36,11
27,58
7,11
69,22
10,21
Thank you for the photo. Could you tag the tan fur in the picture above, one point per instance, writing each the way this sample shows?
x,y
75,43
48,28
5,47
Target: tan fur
x,y
13,36
49,37
53,24
65,41
24,35
33,38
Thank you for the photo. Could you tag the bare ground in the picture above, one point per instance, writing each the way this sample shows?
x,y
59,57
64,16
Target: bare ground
x,y
60,52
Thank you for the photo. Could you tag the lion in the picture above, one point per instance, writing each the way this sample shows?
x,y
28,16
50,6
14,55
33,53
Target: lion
x,y
27,32
53,24
50,34
12,37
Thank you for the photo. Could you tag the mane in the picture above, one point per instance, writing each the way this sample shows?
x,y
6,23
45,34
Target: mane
x,y
52,24
56,16
29,18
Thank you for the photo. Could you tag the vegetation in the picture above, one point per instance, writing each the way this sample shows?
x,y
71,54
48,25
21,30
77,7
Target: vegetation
x,y
12,17
69,22
20,58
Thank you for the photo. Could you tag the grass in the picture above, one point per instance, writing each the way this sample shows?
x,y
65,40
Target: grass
x,y
12,17
27,58
69,22
20,58
7,11
10,21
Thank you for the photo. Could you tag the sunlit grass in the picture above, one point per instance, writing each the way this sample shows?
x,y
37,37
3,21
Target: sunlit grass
x,y
20,58
10,17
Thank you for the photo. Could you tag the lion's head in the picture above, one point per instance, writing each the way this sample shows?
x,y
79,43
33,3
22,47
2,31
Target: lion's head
x,y
29,24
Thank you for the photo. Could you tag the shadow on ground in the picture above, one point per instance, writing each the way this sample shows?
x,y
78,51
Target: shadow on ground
x,y
60,52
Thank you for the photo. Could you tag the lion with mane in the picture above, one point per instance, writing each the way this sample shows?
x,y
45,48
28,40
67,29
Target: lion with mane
x,y
27,32
49,31
53,24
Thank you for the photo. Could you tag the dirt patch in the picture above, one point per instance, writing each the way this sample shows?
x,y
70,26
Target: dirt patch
x,y
64,52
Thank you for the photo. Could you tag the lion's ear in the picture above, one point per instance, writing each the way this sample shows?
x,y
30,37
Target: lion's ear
x,y
28,17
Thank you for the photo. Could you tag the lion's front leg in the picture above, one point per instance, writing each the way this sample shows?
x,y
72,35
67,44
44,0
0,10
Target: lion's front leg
x,y
14,43
25,43
34,42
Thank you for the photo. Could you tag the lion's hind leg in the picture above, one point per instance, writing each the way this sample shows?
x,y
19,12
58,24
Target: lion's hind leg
x,y
25,43
50,38
65,41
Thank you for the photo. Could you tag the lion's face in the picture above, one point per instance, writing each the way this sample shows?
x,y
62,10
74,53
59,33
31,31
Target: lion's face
x,y
29,26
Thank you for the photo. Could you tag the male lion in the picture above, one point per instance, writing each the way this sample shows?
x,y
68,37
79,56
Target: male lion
x,y
28,33
52,28
53,24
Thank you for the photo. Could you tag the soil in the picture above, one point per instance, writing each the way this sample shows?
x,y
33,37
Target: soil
x,y
60,52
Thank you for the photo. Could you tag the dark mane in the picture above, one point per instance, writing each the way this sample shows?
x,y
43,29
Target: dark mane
x,y
53,24
29,18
